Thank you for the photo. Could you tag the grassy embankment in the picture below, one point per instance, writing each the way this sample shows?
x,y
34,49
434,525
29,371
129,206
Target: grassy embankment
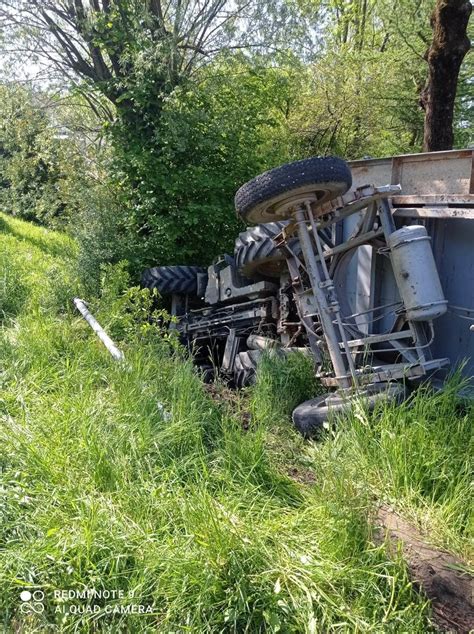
x,y
216,527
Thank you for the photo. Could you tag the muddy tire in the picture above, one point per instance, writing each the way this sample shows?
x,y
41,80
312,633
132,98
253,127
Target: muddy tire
x,y
312,416
264,199
245,368
255,252
172,279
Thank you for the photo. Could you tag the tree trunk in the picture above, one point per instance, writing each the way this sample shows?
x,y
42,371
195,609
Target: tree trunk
x,y
444,56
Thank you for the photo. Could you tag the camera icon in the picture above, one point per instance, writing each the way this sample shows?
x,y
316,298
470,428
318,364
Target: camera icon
x,y
32,601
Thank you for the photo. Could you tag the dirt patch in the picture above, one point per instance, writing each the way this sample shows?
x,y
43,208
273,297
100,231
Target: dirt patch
x,y
443,578
303,476
225,397
221,393
236,403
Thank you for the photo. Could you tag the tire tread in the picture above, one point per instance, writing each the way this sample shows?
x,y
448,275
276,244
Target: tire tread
x,y
172,279
277,181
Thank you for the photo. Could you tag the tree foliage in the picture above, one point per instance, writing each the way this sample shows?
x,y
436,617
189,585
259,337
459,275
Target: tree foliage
x,y
196,97
178,180
368,79
186,126
36,159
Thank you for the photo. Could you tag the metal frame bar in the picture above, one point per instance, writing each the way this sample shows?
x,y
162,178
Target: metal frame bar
x,y
370,339
391,372
331,292
325,307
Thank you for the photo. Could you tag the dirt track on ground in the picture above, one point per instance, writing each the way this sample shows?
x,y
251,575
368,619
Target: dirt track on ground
x,y
441,576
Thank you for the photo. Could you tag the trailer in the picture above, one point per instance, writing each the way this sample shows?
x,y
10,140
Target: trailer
x,y
437,191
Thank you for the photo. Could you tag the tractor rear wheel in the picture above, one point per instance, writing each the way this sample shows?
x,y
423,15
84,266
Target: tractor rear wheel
x,y
172,279
257,256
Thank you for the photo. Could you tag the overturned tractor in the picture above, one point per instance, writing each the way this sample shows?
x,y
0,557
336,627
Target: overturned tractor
x,y
333,271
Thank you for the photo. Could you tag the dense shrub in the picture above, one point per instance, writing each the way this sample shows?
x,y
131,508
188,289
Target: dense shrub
x,y
178,169
38,165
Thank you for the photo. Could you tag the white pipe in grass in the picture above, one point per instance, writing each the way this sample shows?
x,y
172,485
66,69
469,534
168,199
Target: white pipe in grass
x,y
97,328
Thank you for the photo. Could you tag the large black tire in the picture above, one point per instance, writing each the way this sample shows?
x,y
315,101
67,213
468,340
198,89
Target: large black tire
x,y
245,368
312,416
262,199
172,279
255,252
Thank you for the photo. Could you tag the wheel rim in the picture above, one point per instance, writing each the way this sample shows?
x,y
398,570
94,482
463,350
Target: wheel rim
x,y
281,207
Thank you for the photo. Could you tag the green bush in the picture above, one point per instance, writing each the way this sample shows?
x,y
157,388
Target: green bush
x,y
178,166
37,164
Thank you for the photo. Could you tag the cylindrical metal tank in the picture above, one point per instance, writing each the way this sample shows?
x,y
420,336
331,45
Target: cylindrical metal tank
x,y
416,273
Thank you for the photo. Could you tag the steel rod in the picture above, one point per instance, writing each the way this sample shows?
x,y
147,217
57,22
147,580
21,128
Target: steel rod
x,y
330,287
97,328
386,218
316,280
370,339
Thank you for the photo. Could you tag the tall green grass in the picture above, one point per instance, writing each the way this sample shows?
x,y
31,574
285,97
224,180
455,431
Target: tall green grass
x,y
417,457
195,515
